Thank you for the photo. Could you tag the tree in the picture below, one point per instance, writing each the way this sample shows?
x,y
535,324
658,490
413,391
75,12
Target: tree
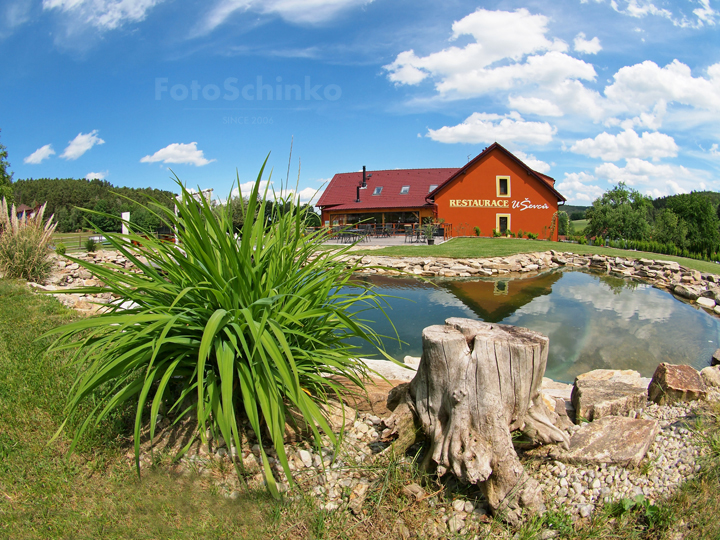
x,y
620,212
6,189
563,223
670,229
698,212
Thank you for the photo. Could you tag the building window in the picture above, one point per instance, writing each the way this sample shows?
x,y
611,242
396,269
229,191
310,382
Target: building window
x,y
503,186
378,190
502,223
433,187
404,190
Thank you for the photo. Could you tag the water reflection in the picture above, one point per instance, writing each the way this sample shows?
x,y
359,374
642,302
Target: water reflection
x,y
593,321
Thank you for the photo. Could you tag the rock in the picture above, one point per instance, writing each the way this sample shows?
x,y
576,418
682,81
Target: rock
x,y
305,457
357,497
708,303
615,440
607,392
454,524
413,491
627,376
671,383
715,360
711,376
687,291
458,505
557,389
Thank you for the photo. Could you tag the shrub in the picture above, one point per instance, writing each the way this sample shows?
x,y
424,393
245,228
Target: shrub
x,y
532,236
496,233
477,230
520,233
25,244
60,248
224,327
91,245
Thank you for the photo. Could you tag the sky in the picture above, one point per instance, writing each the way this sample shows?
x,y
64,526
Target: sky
x,y
590,92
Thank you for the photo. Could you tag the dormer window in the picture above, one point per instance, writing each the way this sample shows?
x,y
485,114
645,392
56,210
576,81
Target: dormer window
x,y
433,187
378,190
405,190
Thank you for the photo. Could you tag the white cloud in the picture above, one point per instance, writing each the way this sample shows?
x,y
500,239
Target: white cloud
x,y
306,195
81,144
96,175
534,105
12,15
293,11
627,145
39,155
642,86
103,14
498,35
186,154
587,46
704,15
461,72
579,187
531,161
714,150
657,179
488,128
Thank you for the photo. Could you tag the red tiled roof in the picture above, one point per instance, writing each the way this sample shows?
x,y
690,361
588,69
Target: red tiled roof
x,y
341,193
545,180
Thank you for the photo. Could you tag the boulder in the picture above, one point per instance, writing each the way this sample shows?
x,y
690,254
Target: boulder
x,y
687,291
608,392
711,376
708,303
715,360
616,440
672,383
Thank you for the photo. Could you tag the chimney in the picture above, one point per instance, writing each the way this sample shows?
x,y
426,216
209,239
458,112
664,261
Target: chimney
x,y
358,194
364,184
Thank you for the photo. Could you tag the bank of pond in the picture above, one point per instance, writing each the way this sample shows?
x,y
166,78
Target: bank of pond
x,y
593,320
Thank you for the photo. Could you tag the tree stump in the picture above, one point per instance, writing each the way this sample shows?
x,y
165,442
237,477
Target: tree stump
x,y
476,383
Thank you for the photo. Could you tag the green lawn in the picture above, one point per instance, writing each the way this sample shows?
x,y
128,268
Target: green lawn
x,y
580,225
44,495
73,241
464,248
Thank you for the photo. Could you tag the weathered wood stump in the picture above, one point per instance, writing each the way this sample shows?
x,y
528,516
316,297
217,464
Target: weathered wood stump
x,y
477,383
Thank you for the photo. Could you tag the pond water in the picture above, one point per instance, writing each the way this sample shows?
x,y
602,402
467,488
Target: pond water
x,y
593,321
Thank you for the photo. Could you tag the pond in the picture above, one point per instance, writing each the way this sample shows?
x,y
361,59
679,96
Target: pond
x,y
593,321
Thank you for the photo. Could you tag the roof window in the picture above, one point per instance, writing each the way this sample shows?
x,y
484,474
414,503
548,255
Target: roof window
x,y
433,187
378,190
405,190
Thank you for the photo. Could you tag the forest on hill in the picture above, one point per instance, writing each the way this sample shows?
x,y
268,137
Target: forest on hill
x,y
65,197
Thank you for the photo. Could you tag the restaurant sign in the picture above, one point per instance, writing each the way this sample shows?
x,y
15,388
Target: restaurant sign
x,y
497,203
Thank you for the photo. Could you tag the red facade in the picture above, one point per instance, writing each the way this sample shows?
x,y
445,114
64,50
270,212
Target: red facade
x,y
493,191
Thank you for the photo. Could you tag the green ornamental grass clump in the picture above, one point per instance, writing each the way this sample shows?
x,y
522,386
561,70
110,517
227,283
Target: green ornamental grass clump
x,y
25,244
221,326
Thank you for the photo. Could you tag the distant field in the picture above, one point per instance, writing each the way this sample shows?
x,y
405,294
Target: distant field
x,y
580,225
73,241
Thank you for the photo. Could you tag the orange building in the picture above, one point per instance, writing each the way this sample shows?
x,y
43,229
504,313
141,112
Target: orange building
x,y
493,191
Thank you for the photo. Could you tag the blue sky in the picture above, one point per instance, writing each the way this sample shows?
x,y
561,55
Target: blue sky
x,y
590,92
